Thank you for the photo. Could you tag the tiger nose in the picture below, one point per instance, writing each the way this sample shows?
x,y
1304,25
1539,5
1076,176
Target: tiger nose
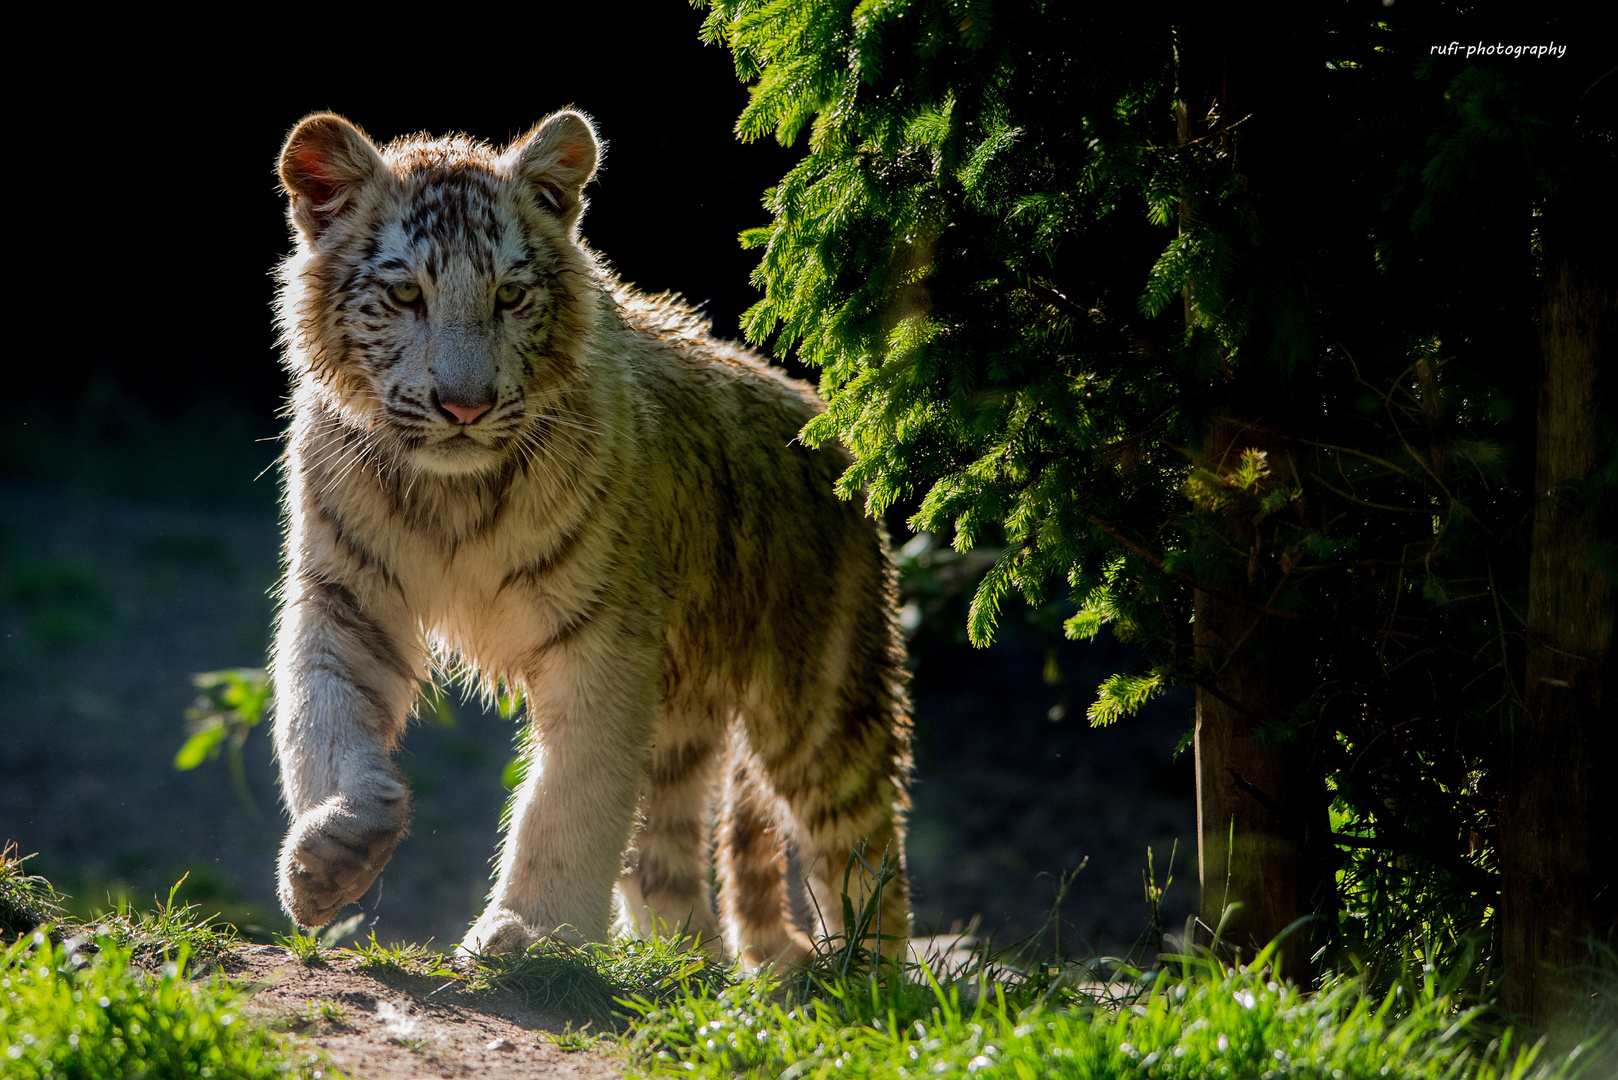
x,y
464,414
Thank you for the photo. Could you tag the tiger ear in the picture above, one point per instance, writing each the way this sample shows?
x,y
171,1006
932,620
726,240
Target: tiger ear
x,y
556,160
325,163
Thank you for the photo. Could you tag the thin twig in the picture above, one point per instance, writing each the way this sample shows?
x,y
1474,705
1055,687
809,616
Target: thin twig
x,y
1364,502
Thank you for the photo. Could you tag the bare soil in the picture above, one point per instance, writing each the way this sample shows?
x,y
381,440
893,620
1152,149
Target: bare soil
x,y
400,1027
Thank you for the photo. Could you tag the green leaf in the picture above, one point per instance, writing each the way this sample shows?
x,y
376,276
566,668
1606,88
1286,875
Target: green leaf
x,y
984,613
245,691
1254,467
200,747
1084,624
1122,695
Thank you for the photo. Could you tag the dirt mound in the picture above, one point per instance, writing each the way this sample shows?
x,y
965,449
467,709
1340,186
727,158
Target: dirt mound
x,y
391,1025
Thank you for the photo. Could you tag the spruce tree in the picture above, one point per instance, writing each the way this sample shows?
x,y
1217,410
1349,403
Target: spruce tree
x,y
1216,328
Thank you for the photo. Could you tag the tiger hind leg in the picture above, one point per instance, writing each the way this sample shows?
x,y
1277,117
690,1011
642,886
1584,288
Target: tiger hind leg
x,y
843,782
752,865
664,887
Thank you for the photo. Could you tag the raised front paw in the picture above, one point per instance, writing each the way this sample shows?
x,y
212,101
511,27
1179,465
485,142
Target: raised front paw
x,y
333,853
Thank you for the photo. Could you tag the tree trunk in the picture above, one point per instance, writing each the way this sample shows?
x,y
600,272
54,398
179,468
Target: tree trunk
x,y
1558,841
1250,829
1263,832
1247,87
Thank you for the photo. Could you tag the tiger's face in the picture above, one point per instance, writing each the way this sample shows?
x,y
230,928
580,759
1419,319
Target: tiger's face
x,y
437,285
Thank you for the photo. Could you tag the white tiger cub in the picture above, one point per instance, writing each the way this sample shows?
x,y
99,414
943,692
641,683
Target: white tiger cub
x,y
502,458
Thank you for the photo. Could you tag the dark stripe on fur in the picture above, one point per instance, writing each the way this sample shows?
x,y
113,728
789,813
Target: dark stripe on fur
x,y
675,764
343,608
362,556
533,572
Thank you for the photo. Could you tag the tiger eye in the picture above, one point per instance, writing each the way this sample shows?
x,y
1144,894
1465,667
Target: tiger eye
x,y
508,294
406,292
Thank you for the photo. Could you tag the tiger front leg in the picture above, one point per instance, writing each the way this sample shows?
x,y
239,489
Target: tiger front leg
x,y
591,702
343,687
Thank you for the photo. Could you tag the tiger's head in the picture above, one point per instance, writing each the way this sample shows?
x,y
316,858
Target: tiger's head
x,y
439,294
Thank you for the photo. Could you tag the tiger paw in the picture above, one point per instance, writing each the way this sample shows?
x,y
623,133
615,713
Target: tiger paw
x,y
333,853
501,930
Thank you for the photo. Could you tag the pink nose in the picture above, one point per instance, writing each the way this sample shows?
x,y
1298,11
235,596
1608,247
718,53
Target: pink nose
x,y
466,413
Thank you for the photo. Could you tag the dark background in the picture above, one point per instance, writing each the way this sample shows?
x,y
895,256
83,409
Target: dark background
x,y
138,540
146,244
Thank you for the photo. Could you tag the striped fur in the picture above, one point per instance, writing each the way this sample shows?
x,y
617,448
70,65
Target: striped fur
x,y
630,532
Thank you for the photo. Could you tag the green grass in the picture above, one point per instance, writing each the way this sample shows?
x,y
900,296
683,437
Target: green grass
x,y
311,948
1199,1020
572,1040
122,997
591,983
595,983
117,998
169,930
401,959
26,900
84,1009
851,1013
306,947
